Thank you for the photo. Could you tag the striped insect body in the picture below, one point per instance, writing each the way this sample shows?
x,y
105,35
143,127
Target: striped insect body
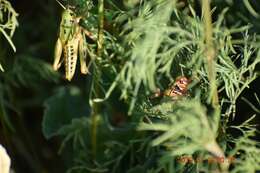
x,y
175,91
70,44
70,52
178,89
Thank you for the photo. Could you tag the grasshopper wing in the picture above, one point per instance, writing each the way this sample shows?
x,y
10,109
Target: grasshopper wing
x,y
57,55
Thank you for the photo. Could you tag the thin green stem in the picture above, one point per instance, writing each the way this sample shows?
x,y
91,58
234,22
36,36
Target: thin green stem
x,y
95,110
96,77
100,41
210,54
94,123
210,51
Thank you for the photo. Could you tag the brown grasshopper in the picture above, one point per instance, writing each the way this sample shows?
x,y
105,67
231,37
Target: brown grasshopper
x,y
175,91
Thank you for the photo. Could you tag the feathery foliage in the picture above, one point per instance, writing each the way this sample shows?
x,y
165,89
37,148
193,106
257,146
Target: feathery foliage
x,y
159,41
123,116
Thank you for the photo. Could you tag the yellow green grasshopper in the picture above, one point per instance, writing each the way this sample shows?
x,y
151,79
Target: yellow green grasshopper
x,y
70,43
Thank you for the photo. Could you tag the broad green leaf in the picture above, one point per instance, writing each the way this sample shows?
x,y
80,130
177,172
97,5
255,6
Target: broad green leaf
x,y
61,109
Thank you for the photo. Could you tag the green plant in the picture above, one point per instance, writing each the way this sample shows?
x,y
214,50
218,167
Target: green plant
x,y
159,41
8,22
115,119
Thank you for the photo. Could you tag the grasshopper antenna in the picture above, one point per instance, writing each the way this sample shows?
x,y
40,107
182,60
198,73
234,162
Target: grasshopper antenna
x,y
61,4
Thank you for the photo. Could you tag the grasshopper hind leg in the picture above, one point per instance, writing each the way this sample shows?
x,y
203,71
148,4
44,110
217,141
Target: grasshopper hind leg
x,y
83,55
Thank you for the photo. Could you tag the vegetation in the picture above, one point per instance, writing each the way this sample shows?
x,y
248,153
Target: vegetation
x,y
171,86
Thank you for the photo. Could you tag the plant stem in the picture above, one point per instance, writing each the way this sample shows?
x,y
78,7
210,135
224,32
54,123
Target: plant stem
x,y
96,78
100,41
94,124
210,52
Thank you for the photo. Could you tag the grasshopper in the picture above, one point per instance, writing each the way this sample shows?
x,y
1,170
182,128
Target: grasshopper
x,y
71,42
